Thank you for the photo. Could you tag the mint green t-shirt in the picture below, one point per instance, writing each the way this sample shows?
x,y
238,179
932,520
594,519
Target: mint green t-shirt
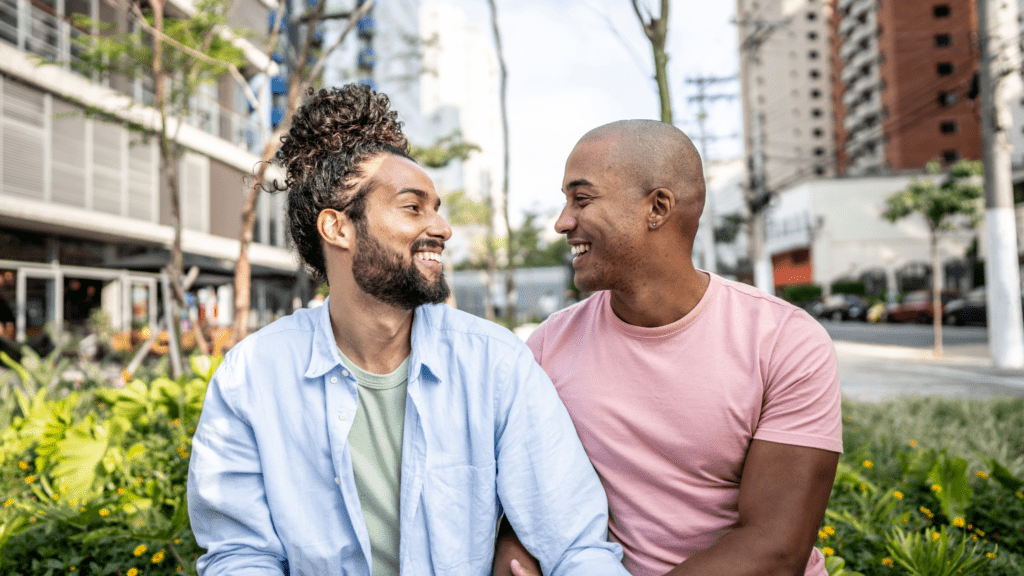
x,y
375,442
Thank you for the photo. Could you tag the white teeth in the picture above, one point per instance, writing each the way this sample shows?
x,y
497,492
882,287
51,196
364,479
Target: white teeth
x,y
429,256
578,249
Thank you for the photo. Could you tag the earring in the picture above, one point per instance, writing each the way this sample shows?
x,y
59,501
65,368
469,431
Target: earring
x,y
653,224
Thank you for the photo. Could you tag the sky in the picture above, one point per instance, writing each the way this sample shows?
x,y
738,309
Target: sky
x,y
574,65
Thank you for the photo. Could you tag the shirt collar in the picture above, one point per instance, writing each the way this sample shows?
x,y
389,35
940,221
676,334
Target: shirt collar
x,y
425,333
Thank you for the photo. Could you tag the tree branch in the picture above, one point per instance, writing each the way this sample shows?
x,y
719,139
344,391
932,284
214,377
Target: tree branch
x,y
352,21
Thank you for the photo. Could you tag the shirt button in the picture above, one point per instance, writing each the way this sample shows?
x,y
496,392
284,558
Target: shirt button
x,y
343,416
333,380
337,480
344,373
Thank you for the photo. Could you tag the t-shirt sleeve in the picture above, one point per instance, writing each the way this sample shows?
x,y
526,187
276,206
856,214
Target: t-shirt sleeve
x,y
802,400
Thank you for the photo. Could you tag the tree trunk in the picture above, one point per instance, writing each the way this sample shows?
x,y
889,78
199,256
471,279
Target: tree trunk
x,y
243,268
510,249
936,292
656,30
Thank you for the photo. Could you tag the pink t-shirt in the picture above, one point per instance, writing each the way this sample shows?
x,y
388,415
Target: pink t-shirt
x,y
667,414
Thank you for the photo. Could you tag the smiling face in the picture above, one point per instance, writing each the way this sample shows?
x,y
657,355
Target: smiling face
x,y
603,217
400,236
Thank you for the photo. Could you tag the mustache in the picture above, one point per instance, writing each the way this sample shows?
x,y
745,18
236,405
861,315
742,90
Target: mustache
x,y
427,243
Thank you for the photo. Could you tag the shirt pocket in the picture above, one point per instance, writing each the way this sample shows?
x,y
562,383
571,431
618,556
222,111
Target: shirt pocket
x,y
461,512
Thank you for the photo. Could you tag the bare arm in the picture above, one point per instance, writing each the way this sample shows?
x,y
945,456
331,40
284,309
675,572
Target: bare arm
x,y
783,494
508,548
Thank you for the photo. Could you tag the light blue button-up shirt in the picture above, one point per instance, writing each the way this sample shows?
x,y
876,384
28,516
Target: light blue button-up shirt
x,y
270,485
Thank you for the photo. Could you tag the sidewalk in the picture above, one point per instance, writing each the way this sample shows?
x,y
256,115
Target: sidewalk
x,y
873,373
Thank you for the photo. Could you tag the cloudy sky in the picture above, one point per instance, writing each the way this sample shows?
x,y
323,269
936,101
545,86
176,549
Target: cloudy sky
x,y
576,64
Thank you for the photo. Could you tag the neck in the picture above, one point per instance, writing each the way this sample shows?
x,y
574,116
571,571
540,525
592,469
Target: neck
x,y
374,335
665,296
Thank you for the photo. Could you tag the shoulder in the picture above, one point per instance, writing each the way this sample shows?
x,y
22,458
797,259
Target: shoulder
x,y
279,338
456,326
747,302
570,318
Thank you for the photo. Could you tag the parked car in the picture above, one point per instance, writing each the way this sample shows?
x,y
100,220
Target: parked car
x,y
972,309
843,307
916,306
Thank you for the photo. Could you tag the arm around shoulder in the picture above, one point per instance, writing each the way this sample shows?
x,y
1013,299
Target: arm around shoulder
x,y
550,492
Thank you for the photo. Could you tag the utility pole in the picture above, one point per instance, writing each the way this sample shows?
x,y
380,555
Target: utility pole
x,y
1000,84
708,217
758,195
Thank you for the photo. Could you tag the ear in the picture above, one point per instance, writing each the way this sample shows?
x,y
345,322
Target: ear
x,y
661,201
336,229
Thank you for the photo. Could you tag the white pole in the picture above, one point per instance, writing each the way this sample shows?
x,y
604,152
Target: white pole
x,y
1000,83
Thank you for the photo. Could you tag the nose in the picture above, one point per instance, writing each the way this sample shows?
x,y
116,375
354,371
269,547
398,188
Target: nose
x,y
566,222
439,228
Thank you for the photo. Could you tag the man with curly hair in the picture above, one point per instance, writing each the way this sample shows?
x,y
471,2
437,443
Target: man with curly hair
x,y
711,410
383,433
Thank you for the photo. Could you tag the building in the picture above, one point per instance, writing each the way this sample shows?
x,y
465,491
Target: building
x,y
460,83
905,85
785,89
84,215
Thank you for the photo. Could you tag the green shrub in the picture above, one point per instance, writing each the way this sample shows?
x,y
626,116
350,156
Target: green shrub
x,y
855,287
93,480
802,293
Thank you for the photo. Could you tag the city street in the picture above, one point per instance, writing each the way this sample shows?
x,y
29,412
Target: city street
x,y
882,361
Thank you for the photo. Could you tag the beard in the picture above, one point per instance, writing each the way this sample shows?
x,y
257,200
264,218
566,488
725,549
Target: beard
x,y
380,273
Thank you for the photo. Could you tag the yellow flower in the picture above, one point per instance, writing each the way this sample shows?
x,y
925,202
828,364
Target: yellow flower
x,y
868,464
132,572
981,475
158,557
906,520
829,530
1020,494
120,490
23,465
104,512
936,488
827,551
140,549
990,554
897,495
82,509
913,443
64,489
73,501
55,497
959,522
887,562
30,479
72,569
935,536
177,540
980,532
863,487
9,502
179,569
822,535
925,511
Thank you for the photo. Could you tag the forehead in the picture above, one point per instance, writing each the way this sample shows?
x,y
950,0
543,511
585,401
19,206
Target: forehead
x,y
594,160
395,173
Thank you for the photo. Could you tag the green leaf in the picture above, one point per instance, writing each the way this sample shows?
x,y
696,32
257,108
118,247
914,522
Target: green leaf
x,y
1004,476
954,494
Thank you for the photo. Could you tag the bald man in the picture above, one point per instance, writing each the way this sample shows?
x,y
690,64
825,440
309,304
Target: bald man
x,y
710,410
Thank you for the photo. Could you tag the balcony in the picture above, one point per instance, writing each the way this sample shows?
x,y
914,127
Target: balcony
x,y
35,27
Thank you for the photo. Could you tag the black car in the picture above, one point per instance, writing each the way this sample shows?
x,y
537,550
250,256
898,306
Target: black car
x,y
972,309
843,307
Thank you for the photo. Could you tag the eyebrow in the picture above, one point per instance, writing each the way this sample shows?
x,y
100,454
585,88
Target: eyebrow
x,y
579,182
422,194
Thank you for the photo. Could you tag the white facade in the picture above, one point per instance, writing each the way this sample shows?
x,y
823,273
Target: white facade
x,y
459,87
725,183
841,222
787,88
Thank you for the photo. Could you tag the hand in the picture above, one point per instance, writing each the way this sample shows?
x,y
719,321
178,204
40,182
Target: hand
x,y
519,570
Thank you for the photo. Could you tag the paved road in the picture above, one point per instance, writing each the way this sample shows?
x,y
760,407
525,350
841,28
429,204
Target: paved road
x,y
883,361
956,340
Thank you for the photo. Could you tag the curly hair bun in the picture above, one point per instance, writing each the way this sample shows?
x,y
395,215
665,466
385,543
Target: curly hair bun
x,y
351,122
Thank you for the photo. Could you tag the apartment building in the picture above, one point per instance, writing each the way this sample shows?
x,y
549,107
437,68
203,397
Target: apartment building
x,y
905,85
84,214
785,88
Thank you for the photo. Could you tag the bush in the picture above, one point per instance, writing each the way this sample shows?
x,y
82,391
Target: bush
x,y
854,287
929,487
93,480
802,293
